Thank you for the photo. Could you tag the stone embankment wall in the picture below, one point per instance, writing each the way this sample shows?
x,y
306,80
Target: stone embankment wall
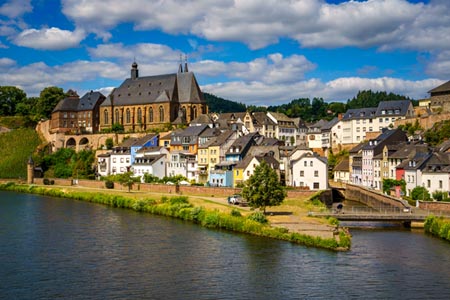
x,y
437,207
165,188
373,198
426,122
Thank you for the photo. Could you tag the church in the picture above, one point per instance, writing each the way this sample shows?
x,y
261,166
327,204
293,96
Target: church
x,y
142,103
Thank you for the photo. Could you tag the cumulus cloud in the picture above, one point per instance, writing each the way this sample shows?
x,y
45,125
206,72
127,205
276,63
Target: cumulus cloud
x,y
34,77
341,89
383,24
49,38
15,8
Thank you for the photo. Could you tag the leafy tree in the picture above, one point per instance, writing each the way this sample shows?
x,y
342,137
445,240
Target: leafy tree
x,y
109,143
127,179
48,99
118,128
440,196
388,184
220,105
10,97
368,98
263,188
420,193
438,133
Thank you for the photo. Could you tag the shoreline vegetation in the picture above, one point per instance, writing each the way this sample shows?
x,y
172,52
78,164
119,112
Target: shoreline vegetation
x,y
178,206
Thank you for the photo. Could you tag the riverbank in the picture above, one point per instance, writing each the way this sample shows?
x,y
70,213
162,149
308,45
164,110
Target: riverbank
x,y
197,213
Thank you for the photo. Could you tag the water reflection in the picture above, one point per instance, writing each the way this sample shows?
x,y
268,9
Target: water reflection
x,y
59,248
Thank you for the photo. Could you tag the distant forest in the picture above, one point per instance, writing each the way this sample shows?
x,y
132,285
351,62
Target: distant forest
x,y
305,108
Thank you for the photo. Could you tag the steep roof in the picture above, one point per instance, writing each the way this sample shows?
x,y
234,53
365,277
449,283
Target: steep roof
x,y
90,100
69,103
343,165
442,88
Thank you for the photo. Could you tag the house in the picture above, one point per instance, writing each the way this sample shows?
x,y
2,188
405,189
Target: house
x,y
285,128
187,139
241,145
104,164
342,171
150,160
436,173
179,162
141,103
413,170
149,140
77,114
374,147
120,160
440,97
222,175
264,125
310,171
246,167
355,161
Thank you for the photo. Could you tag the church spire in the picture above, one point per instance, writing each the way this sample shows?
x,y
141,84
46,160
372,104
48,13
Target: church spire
x,y
180,67
185,64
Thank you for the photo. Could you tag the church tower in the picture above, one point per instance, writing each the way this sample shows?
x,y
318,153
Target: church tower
x,y
134,71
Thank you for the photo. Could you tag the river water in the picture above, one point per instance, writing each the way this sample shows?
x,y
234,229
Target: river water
x,y
54,248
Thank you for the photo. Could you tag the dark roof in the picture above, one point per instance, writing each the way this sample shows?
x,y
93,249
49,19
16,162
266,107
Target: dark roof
x,y
141,141
330,124
442,88
243,142
90,100
178,87
261,118
388,136
357,148
401,106
202,119
69,103
409,151
191,131
360,113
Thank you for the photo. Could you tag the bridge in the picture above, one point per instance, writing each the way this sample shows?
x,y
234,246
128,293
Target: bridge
x,y
392,215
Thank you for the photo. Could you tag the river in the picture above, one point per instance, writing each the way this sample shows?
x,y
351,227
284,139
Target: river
x,y
54,248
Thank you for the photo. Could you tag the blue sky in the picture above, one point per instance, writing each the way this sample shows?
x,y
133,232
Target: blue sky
x,y
255,52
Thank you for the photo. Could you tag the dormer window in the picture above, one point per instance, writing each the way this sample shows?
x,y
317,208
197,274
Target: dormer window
x,y
383,112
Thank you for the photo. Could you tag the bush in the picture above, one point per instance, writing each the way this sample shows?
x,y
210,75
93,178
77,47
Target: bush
x,y
46,181
235,213
109,184
440,196
52,182
258,217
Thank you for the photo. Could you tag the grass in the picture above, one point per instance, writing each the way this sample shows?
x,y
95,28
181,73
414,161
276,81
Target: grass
x,y
16,147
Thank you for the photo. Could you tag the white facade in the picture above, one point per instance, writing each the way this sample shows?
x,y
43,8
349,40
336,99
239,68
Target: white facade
x,y
120,162
154,165
310,171
434,181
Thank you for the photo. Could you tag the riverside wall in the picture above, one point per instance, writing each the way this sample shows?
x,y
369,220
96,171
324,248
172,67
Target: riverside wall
x,y
168,189
373,198
436,207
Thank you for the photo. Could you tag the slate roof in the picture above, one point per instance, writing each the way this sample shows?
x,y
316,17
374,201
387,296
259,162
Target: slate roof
x,y
176,87
261,118
330,124
360,113
69,103
409,151
397,105
90,100
343,165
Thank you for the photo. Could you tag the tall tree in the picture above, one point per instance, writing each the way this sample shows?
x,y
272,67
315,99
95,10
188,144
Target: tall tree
x,y
263,188
48,99
10,97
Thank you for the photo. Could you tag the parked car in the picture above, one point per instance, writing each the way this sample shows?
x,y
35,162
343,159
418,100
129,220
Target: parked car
x,y
235,199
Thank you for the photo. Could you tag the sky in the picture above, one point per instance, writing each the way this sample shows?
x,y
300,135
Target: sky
x,y
250,51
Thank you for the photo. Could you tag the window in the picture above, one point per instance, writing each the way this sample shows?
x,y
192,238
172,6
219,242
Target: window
x,y
305,163
302,173
139,115
248,173
311,163
316,185
116,116
150,115
440,184
65,115
316,173
428,183
161,114
128,116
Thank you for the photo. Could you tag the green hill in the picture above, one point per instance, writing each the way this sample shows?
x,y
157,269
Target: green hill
x,y
220,105
16,147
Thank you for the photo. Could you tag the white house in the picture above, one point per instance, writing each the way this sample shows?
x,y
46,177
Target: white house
x,y
104,164
120,159
310,171
342,171
149,164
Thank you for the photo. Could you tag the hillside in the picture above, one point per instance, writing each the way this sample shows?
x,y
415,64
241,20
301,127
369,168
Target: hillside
x,y
17,146
220,105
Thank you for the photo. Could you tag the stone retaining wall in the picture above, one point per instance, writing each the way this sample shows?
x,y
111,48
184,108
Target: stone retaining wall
x,y
373,198
438,207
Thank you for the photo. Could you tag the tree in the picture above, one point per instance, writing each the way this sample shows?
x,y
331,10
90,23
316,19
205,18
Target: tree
x,y
48,99
10,97
263,188
127,179
420,193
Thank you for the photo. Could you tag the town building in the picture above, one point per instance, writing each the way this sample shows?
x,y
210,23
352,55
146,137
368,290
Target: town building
x,y
141,103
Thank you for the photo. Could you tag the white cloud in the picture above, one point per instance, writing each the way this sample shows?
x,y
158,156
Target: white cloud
x,y
143,52
15,8
340,89
49,38
6,63
34,77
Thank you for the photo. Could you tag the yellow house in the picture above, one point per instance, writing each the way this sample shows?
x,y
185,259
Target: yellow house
x,y
246,167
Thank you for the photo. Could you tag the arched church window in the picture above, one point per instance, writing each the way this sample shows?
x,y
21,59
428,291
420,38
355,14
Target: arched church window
x,y
139,115
105,116
116,116
150,115
128,116
161,114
